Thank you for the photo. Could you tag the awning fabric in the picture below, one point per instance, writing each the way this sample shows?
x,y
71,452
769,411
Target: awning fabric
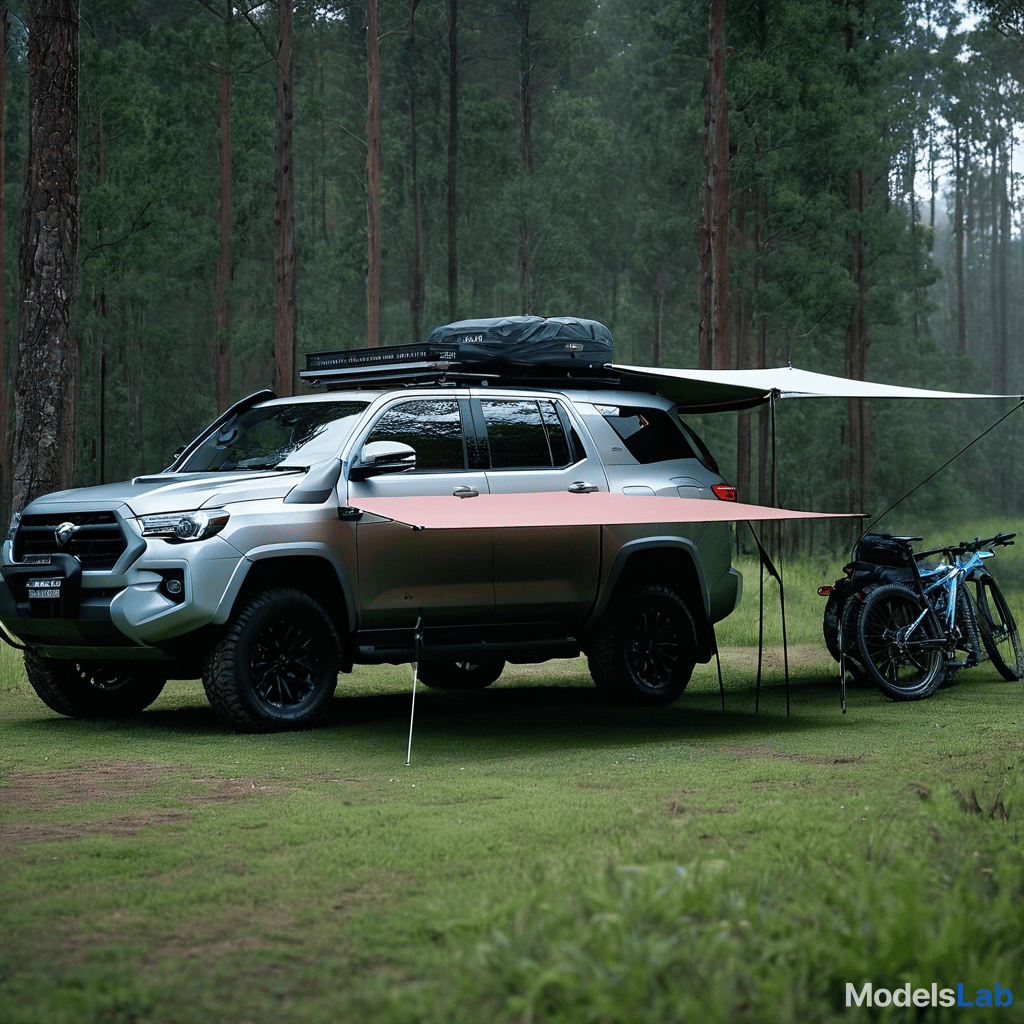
x,y
562,508
742,389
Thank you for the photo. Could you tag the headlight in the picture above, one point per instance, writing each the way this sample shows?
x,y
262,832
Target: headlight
x,y
12,529
185,525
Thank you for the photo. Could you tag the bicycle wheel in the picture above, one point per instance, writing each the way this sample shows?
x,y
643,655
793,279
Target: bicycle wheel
x,y
905,665
998,629
966,636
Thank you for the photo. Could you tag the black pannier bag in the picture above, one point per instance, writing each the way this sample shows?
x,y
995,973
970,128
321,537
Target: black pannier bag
x,y
527,345
881,549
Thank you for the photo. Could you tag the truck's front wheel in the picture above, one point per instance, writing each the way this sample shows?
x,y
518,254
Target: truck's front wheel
x,y
644,650
92,689
277,665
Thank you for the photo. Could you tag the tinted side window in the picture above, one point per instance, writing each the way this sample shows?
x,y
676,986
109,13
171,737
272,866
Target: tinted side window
x,y
524,434
432,426
649,435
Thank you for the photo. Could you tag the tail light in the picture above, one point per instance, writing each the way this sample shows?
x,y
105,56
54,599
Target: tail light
x,y
825,591
724,491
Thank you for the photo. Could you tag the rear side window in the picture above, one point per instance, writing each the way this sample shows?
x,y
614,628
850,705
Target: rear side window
x,y
525,434
649,435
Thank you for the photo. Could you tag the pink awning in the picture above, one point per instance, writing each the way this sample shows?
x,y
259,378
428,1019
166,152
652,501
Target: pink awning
x,y
562,508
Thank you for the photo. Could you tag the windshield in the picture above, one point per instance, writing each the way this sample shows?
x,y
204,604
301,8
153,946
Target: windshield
x,y
272,436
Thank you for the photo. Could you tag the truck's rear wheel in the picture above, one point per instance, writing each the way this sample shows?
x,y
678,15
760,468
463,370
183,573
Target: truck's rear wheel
x,y
277,665
449,674
107,689
644,650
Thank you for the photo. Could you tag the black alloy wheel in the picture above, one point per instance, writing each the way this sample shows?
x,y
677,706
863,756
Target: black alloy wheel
x,y
277,666
449,674
644,651
107,689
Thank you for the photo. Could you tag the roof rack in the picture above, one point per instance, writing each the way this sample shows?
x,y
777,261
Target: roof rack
x,y
425,364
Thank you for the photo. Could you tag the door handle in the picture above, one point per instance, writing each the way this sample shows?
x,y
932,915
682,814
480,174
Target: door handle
x,y
465,492
582,487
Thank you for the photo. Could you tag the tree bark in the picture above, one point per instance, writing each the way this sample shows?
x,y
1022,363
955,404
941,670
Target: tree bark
x,y
5,450
373,229
713,347
958,241
222,340
284,212
658,313
858,422
44,434
417,285
521,10
453,154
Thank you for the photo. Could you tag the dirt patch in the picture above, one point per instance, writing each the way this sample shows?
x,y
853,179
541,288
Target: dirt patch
x,y
787,755
797,656
675,807
70,787
34,793
12,836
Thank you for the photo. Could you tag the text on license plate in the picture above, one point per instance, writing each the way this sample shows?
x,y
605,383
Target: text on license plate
x,y
40,589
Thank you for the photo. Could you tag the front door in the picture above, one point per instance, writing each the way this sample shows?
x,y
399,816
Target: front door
x,y
445,576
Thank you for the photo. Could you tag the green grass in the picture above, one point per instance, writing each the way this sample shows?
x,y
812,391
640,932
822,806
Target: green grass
x,y
543,858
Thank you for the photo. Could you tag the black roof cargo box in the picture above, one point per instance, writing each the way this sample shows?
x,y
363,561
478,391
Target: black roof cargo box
x,y
532,349
523,343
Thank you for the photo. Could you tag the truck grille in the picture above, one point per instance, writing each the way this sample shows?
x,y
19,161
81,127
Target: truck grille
x,y
97,540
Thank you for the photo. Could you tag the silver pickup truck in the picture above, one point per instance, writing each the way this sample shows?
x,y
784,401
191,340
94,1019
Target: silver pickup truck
x,y
248,563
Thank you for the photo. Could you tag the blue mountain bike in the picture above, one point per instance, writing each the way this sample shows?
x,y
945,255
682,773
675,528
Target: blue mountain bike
x,y
915,634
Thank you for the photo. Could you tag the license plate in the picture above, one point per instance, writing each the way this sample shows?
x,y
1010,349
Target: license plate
x,y
42,589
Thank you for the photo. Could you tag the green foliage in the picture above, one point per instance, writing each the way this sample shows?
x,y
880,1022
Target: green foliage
x,y
896,93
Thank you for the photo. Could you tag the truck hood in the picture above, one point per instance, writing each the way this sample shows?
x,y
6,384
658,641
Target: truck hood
x,y
172,492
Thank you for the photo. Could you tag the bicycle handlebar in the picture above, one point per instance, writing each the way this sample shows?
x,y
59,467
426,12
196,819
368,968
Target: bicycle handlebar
x,y
999,540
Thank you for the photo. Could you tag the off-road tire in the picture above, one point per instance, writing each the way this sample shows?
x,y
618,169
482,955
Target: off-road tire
x,y
449,674
910,671
832,628
107,689
644,650
998,629
277,666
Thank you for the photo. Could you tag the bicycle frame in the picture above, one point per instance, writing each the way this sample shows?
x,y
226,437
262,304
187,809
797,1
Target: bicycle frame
x,y
934,585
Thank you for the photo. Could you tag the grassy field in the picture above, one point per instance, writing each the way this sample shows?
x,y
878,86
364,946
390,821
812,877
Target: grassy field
x,y
544,858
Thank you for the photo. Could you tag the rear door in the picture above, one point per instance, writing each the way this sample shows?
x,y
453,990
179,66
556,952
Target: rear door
x,y
443,575
529,445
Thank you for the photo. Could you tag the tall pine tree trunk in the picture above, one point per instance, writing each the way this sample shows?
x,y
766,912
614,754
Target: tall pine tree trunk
x,y
44,431
958,241
743,315
373,229
284,212
658,313
5,450
713,347
417,283
222,341
858,460
525,114
453,155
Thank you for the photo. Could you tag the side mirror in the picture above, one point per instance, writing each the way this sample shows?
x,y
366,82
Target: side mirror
x,y
383,457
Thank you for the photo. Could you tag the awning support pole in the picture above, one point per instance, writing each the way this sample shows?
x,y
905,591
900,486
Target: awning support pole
x,y
767,565
417,653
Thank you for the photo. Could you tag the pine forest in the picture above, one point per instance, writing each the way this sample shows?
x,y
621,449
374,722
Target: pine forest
x,y
828,183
